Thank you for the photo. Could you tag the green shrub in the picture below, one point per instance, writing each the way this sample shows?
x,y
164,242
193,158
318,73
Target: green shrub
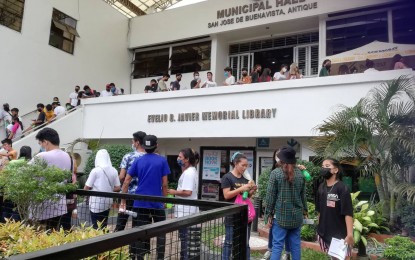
x,y
399,248
18,238
263,183
309,232
407,217
30,185
116,152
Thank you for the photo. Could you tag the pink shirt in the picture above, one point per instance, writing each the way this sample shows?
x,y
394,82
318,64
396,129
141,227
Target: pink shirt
x,y
400,65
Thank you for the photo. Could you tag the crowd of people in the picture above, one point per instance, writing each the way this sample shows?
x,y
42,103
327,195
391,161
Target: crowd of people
x,y
143,171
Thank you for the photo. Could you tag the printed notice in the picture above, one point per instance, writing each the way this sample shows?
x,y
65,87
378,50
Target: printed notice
x,y
338,248
211,165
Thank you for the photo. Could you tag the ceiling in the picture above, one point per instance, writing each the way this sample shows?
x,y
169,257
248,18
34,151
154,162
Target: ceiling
x,y
133,8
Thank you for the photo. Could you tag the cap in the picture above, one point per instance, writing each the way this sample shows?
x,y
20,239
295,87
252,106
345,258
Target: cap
x,y
287,155
150,142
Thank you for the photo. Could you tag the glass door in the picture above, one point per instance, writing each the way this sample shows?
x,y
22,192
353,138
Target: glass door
x,y
306,57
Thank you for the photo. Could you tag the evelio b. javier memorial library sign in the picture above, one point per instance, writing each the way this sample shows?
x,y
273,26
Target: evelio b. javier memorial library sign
x,y
259,10
264,113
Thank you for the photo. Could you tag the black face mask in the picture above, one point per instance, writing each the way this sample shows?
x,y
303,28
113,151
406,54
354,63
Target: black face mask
x,y
39,109
325,172
328,66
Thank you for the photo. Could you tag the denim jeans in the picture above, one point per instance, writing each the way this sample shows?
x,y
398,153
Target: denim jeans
x,y
227,245
99,217
146,216
287,244
184,243
280,235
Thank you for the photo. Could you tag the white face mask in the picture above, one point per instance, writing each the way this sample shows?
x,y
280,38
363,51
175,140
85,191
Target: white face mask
x,y
132,147
196,77
284,70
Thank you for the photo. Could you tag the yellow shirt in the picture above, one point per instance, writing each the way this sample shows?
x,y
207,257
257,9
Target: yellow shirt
x,y
49,114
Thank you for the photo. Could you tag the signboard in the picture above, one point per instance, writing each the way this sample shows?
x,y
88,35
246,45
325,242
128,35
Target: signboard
x,y
262,142
265,163
211,165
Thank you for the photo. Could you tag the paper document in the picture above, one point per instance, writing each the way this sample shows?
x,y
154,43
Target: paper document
x,y
338,248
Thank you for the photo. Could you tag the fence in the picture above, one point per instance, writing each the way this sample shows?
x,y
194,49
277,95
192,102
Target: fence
x,y
191,229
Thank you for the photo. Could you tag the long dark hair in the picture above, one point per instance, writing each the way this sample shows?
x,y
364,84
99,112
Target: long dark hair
x,y
288,169
191,155
16,118
336,164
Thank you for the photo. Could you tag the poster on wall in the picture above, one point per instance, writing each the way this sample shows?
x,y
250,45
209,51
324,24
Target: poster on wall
x,y
211,165
265,163
210,191
250,156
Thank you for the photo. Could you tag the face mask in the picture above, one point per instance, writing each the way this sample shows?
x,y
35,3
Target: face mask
x,y
132,147
113,89
244,74
226,74
328,66
325,172
196,77
180,163
284,70
39,109
42,149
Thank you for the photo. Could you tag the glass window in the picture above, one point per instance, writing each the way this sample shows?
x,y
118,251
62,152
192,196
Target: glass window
x,y
63,32
191,57
151,63
349,33
403,25
11,13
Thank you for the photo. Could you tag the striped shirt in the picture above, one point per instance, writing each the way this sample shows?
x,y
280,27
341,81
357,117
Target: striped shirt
x,y
284,201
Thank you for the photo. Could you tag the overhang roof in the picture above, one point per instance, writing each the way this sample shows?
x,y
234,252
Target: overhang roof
x,y
133,8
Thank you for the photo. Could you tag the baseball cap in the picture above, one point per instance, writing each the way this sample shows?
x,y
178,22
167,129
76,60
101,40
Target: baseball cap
x,y
150,142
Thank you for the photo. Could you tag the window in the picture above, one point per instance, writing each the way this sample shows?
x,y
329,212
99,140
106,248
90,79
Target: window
x,y
191,57
151,63
11,14
349,33
403,25
63,32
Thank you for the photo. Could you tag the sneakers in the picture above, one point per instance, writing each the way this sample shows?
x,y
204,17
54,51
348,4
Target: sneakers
x,y
266,256
286,257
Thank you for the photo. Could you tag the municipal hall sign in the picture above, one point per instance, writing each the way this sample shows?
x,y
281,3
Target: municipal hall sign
x,y
259,10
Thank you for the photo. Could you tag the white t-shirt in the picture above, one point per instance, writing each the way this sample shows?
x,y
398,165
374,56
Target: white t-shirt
x,y
371,70
18,130
98,181
61,160
209,84
59,111
230,80
74,99
105,93
279,76
189,180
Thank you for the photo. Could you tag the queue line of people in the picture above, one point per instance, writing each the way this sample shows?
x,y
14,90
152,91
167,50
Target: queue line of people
x,y
145,172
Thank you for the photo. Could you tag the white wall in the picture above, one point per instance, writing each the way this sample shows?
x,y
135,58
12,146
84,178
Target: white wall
x,y
32,71
301,105
192,21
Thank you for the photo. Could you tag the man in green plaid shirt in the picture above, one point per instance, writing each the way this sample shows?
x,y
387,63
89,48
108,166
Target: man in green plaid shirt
x,y
286,205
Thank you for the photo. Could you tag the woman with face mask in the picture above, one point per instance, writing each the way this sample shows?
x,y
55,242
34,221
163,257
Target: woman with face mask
x,y
234,183
334,205
280,75
325,69
187,189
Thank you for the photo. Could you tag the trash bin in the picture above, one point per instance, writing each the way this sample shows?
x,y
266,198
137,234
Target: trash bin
x,y
257,206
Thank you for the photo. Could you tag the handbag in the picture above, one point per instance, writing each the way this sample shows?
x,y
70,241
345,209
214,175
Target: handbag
x,y
71,201
251,210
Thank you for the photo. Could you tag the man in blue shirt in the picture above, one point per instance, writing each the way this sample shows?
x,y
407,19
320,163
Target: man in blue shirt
x,y
151,170
127,161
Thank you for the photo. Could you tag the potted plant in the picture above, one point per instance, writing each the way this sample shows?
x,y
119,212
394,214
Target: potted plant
x,y
364,223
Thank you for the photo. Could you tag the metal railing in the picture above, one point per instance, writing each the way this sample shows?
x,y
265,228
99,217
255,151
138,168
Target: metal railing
x,y
198,236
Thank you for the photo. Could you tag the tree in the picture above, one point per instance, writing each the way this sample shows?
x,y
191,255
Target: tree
x,y
377,135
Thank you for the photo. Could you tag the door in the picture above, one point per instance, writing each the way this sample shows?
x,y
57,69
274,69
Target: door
x,y
306,57
240,61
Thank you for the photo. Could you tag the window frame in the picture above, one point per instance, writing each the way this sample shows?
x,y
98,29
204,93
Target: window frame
x,y
19,16
63,31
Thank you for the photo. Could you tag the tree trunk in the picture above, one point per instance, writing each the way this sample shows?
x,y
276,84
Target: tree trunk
x,y
382,196
392,215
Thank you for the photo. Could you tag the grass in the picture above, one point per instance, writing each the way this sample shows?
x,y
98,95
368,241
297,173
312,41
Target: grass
x,y
306,254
